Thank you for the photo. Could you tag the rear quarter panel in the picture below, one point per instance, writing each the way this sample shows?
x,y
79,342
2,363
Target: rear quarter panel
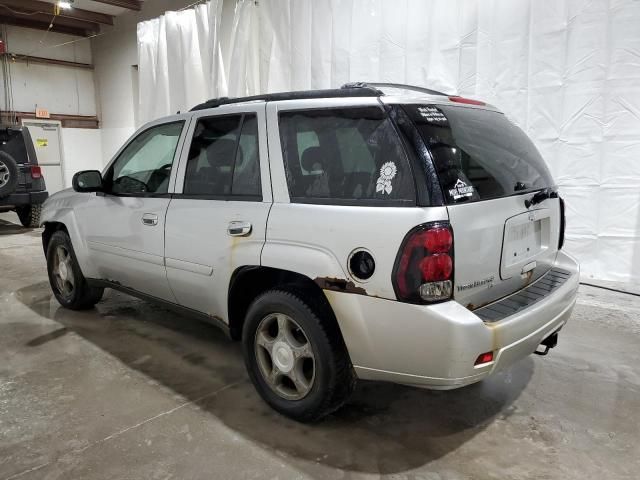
x,y
317,241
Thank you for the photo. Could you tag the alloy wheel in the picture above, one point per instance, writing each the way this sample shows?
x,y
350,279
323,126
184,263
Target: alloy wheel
x,y
4,174
285,356
63,272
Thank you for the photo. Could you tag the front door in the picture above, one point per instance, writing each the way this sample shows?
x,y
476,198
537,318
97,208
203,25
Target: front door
x,y
124,227
217,218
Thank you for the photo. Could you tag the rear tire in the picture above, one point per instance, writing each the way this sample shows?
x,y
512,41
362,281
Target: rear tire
x,y
295,355
8,174
29,215
65,277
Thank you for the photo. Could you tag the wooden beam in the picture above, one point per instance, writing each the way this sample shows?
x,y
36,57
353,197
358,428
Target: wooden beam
x,y
16,57
44,19
68,121
26,23
130,4
31,6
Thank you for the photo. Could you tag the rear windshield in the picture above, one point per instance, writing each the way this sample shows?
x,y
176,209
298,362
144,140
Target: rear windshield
x,y
12,142
479,154
345,155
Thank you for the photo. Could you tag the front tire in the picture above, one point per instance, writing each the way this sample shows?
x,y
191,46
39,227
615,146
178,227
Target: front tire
x,y
65,277
295,355
29,215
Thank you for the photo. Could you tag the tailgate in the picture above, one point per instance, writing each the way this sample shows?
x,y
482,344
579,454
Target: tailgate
x,y
501,246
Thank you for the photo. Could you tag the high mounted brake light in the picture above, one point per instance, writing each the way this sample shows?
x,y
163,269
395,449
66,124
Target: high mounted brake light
x,y
423,271
469,101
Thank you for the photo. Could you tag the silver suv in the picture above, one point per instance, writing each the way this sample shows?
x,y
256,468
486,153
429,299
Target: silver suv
x,y
376,231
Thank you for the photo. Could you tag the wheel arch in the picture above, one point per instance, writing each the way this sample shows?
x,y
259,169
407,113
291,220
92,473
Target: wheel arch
x,y
250,281
49,229
64,219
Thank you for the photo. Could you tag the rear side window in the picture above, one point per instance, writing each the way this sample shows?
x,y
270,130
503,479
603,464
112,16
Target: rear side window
x,y
479,154
350,155
224,158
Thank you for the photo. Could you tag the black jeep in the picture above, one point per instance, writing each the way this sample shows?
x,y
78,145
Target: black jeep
x,y
22,185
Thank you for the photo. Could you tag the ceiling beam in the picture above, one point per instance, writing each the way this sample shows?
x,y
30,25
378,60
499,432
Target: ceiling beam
x,y
27,23
130,4
31,6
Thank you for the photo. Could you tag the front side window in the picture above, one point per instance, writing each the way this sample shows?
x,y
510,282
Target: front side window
x,y
224,159
347,154
144,166
479,154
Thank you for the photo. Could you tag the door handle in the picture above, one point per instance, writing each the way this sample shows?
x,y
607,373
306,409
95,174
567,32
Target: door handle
x,y
239,229
150,219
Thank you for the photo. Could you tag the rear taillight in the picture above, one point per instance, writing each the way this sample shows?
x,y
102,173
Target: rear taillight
x,y
563,224
36,172
424,267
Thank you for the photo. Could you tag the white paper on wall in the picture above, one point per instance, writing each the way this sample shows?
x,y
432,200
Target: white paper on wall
x,y
566,71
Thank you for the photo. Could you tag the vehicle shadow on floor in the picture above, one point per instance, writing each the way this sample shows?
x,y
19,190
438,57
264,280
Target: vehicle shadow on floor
x,y
10,228
383,429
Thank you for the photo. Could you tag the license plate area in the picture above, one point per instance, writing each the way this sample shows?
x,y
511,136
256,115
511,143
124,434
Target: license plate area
x,y
526,238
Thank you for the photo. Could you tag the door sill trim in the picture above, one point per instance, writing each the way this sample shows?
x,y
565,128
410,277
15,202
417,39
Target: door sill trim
x,y
189,312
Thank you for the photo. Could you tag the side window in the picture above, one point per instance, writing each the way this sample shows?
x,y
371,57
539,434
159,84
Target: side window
x,y
144,166
349,154
223,158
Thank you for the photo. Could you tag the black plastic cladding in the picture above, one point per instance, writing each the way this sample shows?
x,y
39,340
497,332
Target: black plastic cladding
x,y
396,264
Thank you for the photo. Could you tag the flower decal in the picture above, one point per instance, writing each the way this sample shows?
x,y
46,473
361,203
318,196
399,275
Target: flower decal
x,y
387,173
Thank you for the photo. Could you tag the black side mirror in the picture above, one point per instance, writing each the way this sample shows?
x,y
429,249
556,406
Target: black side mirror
x,y
87,181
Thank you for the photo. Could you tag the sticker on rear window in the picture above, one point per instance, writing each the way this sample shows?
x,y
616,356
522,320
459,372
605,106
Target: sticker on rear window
x,y
461,190
387,173
433,115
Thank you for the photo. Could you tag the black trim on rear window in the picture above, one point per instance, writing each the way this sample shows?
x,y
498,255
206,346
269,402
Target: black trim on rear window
x,y
479,154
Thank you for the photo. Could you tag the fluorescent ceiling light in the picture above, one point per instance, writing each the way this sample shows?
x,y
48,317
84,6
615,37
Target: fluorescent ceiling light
x,y
64,4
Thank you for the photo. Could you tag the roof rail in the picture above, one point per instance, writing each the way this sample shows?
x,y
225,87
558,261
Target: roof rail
x,y
377,86
344,91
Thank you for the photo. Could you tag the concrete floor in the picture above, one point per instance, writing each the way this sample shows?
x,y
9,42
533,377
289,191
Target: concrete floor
x,y
132,391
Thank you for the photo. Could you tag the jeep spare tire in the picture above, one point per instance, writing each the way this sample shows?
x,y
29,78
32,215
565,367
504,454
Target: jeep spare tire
x,y
8,174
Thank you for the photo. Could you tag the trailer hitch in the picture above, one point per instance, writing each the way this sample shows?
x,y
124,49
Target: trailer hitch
x,y
548,343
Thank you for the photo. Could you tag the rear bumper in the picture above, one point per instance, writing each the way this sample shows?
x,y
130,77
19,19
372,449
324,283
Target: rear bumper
x,y
435,346
24,198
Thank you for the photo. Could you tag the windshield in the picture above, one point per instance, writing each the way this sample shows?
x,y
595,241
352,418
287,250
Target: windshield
x,y
479,154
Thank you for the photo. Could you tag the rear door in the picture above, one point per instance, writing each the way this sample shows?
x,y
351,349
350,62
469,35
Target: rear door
x,y
487,168
217,218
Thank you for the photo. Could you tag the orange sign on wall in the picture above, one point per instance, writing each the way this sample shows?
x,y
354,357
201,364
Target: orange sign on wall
x,y
42,113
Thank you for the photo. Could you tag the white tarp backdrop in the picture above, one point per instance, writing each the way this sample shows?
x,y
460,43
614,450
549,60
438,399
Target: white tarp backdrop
x,y
179,60
566,71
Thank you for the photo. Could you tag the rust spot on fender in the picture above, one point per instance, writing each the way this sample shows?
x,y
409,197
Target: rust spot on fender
x,y
339,285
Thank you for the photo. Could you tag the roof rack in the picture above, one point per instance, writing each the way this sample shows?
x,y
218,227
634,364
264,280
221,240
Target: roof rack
x,y
344,91
354,89
393,85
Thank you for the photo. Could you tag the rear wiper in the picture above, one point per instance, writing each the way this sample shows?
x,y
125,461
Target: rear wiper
x,y
541,196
